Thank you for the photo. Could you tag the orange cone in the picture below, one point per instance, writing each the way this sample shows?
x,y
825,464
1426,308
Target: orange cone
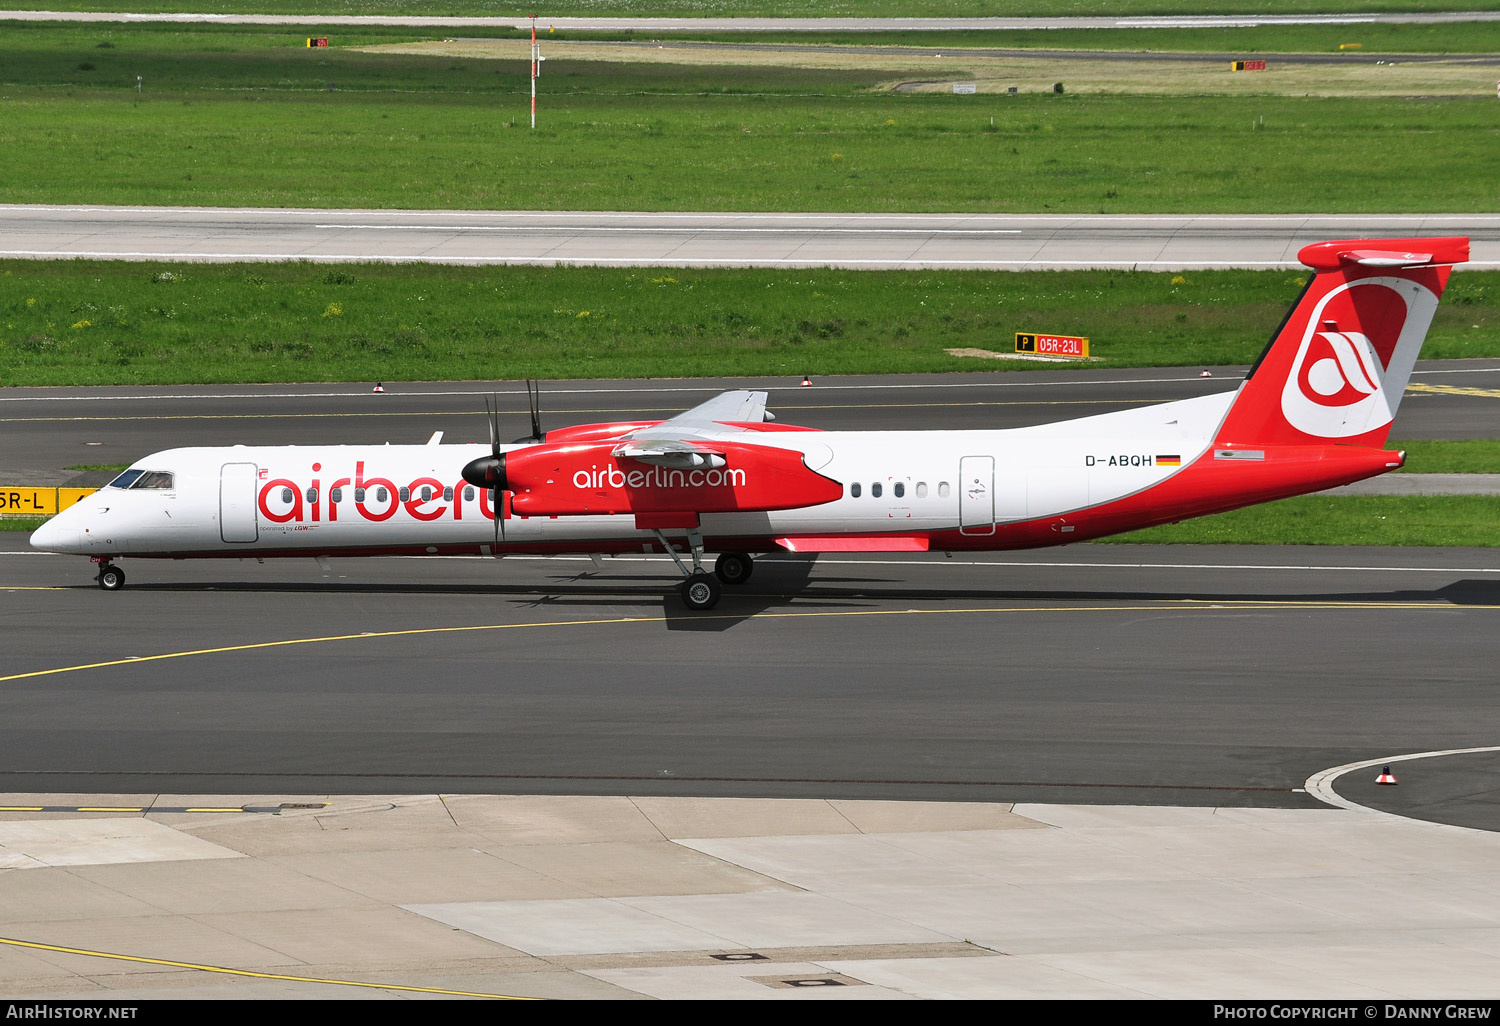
x,y
1205,374
1386,777
379,387
806,381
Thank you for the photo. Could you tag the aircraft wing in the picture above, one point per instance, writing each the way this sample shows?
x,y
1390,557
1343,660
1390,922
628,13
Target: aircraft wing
x,y
738,407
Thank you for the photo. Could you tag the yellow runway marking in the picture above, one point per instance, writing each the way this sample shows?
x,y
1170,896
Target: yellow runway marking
x,y
1194,605
1488,393
254,975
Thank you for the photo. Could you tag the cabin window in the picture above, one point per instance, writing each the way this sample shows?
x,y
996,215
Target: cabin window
x,y
426,492
335,495
126,479
288,496
854,490
382,495
448,494
898,489
406,495
312,496
468,493
921,489
942,489
875,490
359,495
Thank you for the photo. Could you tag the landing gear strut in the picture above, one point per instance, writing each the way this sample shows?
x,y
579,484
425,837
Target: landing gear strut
x,y
700,591
110,577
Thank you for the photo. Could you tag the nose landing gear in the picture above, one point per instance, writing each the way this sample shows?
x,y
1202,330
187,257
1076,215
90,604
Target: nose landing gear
x,y
110,577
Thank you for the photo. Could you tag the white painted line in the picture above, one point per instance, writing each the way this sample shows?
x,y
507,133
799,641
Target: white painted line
x,y
915,264
626,390
1320,784
556,261
699,229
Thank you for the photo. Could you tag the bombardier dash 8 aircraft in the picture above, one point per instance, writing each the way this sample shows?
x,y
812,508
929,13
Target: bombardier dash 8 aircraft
x,y
1314,412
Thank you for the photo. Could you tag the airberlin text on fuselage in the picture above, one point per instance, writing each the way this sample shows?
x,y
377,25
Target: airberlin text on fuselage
x,y
375,498
658,477
378,498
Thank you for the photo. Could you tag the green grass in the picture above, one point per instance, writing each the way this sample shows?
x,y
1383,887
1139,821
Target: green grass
x,y
1456,520
1463,456
241,118
27,524
99,322
769,8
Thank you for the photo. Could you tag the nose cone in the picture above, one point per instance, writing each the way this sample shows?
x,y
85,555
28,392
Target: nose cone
x,y
60,534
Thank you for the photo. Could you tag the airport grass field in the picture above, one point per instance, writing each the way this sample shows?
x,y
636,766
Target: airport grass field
x,y
118,322
770,8
243,116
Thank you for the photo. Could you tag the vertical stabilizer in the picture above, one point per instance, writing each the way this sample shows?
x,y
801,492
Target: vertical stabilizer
x,y
1337,368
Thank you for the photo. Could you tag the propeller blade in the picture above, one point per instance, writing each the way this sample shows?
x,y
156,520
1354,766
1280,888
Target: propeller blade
x,y
534,399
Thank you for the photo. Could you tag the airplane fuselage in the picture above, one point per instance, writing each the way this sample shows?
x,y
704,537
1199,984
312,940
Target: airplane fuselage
x,y
908,490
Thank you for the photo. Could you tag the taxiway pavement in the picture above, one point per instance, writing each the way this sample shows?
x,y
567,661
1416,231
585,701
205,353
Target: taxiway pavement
x,y
614,238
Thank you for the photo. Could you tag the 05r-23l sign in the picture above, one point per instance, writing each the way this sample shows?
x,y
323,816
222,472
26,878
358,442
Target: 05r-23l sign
x,y
1051,345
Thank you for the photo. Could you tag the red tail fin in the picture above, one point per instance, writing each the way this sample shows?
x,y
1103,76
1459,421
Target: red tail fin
x,y
1339,363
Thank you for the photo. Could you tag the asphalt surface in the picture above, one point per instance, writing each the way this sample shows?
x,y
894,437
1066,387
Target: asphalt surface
x,y
1137,675
48,430
1134,675
858,241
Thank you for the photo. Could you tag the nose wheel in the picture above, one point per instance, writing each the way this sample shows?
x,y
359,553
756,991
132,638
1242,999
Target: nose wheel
x,y
111,578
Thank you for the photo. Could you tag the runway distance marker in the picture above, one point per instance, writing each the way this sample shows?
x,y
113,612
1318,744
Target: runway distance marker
x,y
1194,605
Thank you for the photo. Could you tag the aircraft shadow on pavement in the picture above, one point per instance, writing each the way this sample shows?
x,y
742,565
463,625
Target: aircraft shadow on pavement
x,y
779,582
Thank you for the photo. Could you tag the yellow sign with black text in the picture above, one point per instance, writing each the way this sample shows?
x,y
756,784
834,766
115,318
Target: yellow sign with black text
x,y
1075,346
25,501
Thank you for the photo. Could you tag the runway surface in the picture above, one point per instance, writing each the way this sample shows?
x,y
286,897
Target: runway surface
x,y
50,429
1095,673
1131,674
868,241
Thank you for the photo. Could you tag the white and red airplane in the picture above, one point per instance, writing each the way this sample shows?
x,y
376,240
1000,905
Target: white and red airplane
x,y
1313,413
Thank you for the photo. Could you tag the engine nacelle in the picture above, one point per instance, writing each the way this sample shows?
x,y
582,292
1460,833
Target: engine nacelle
x,y
587,480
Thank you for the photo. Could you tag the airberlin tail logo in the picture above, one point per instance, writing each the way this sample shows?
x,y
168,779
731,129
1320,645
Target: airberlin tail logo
x,y
1353,337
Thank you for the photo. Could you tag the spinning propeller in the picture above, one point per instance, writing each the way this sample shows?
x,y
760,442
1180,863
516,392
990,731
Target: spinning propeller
x,y
489,471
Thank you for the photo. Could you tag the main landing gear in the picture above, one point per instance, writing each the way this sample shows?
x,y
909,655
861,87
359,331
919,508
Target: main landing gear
x,y
701,590
110,577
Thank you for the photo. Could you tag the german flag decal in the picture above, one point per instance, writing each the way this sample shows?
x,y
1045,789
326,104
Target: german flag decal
x,y
1169,461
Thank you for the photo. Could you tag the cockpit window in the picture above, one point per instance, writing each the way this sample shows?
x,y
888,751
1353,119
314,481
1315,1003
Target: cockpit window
x,y
157,479
126,479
